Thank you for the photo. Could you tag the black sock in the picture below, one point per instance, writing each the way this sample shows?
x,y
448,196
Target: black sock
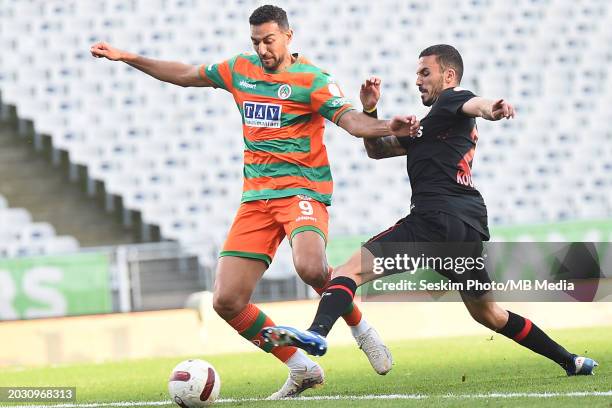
x,y
527,334
334,301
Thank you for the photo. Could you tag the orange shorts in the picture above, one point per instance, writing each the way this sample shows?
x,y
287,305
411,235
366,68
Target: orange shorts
x,y
260,226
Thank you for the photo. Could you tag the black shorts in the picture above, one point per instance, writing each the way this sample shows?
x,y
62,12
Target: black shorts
x,y
434,234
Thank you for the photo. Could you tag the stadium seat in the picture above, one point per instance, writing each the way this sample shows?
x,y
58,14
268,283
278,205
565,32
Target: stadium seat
x,y
19,236
60,245
176,154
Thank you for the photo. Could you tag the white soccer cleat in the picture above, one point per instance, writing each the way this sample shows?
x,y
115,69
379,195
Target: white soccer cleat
x,y
299,381
378,354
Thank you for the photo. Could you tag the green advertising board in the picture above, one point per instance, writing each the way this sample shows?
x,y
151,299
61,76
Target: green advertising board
x,y
341,248
50,286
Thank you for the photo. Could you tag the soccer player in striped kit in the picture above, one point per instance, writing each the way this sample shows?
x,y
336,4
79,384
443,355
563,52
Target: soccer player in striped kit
x,y
283,100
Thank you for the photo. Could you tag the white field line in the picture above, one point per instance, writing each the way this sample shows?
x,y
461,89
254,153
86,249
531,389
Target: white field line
x,y
342,397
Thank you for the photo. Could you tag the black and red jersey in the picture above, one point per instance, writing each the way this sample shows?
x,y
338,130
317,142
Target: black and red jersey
x,y
439,162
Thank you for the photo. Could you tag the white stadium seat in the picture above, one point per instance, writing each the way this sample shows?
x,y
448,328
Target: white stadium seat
x,y
176,154
19,236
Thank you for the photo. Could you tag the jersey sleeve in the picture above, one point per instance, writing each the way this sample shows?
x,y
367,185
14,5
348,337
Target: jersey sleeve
x,y
219,74
453,101
327,99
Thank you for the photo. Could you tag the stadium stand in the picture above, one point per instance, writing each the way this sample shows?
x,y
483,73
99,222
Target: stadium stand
x,y
174,155
20,236
29,179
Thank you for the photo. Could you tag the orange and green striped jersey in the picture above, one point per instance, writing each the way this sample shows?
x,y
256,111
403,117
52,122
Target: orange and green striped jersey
x,y
283,119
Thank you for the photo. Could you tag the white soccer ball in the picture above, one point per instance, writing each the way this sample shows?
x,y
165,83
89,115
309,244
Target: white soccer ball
x,y
194,383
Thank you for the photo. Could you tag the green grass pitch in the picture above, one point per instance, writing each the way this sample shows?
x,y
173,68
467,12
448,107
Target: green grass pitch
x,y
442,372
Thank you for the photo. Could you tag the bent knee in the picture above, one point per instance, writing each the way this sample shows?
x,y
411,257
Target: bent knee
x,y
313,274
227,306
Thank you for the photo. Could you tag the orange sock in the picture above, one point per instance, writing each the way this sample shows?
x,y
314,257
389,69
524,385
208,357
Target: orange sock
x,y
249,323
352,316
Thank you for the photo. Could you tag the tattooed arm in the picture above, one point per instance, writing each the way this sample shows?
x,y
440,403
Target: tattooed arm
x,y
383,147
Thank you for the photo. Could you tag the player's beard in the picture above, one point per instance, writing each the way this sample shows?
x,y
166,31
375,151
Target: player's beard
x,y
428,99
271,64
432,95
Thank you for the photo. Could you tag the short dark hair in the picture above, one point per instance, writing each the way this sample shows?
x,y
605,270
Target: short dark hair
x,y
447,56
268,13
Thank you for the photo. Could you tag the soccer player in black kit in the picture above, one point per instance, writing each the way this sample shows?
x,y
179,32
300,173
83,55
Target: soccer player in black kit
x,y
445,207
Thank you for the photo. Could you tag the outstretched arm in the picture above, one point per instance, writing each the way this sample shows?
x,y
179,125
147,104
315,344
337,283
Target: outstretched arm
x,y
361,125
366,125
488,109
168,71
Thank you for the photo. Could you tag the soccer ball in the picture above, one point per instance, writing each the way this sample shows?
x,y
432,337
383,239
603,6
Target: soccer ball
x,y
194,383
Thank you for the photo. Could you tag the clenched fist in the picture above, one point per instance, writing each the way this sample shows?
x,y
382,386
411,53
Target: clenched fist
x,y
405,126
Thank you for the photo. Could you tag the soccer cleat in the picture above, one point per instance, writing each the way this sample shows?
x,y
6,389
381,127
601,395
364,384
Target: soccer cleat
x,y
582,366
299,381
311,342
378,354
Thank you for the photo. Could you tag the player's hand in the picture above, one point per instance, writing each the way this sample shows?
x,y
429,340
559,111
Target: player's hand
x,y
405,126
104,50
370,93
501,109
